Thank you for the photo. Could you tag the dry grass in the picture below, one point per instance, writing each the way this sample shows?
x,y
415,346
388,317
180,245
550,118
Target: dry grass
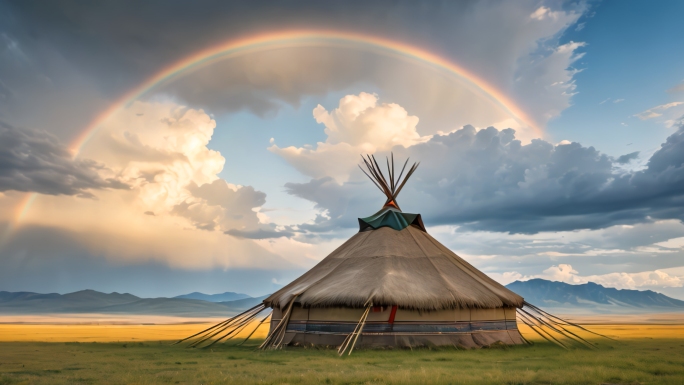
x,y
645,354
141,333
106,332
624,332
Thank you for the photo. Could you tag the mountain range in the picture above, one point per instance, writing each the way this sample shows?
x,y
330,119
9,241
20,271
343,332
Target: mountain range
x,y
592,298
556,296
223,297
91,301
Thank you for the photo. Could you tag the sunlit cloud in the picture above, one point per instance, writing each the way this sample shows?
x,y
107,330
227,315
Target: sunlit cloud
x,y
657,111
359,125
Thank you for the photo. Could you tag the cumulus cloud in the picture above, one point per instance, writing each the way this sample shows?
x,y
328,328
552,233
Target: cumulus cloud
x,y
177,209
161,148
359,125
539,187
651,279
235,202
624,159
489,180
35,161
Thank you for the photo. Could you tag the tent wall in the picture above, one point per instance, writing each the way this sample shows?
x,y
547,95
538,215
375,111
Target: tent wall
x,y
465,327
463,340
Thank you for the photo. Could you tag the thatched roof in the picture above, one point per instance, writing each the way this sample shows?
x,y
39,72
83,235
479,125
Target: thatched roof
x,y
407,268
394,261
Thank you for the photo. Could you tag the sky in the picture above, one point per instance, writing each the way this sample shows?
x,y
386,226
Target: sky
x,y
165,147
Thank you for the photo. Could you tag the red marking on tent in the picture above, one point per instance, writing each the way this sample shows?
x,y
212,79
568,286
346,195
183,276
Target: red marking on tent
x,y
393,314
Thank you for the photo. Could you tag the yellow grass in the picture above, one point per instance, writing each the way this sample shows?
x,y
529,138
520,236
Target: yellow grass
x,y
623,332
108,333
138,333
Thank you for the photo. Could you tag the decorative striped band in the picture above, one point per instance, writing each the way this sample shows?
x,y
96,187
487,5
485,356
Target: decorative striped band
x,y
400,327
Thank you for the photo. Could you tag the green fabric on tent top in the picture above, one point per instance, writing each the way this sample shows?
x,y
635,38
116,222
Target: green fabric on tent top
x,y
390,217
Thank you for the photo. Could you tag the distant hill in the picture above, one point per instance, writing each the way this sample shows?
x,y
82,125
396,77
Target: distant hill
x,y
77,302
560,297
593,297
227,296
244,304
90,301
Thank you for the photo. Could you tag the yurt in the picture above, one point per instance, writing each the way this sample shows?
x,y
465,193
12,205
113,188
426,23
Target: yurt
x,y
392,285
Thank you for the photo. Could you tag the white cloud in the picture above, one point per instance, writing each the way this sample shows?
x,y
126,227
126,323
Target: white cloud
x,y
360,121
543,12
161,149
547,80
359,125
674,243
657,111
656,278
508,277
674,122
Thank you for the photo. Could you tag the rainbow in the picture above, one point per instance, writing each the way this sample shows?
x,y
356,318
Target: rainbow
x,y
22,207
302,38
294,38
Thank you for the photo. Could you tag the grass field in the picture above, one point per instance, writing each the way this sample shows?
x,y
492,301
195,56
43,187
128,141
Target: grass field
x,y
643,354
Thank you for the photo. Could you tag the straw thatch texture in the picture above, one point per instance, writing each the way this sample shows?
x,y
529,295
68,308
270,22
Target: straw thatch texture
x,y
385,267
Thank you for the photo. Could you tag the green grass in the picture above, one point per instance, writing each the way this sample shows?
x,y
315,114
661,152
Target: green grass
x,y
638,361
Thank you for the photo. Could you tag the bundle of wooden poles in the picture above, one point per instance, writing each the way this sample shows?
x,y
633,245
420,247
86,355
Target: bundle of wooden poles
x,y
554,329
392,187
228,329
548,326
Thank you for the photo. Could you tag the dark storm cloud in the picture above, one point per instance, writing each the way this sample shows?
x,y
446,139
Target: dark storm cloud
x,y
131,38
624,159
35,161
487,180
256,83
116,45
